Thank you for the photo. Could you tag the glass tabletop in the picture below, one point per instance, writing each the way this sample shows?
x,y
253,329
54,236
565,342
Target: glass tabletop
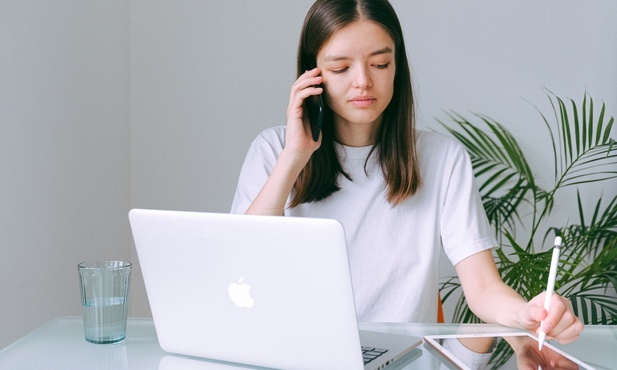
x,y
60,344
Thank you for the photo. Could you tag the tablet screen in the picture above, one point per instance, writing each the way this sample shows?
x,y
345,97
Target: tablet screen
x,y
501,351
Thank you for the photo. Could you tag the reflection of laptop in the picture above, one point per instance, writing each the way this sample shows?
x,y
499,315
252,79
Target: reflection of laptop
x,y
265,291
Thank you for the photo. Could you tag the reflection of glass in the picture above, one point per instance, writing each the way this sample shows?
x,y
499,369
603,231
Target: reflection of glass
x,y
113,356
117,358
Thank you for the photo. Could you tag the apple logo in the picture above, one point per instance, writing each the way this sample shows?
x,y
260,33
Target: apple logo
x,y
240,293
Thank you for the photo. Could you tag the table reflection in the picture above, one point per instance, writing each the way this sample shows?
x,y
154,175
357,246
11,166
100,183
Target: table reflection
x,y
509,352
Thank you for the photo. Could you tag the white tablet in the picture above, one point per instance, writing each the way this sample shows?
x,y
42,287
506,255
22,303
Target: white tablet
x,y
503,351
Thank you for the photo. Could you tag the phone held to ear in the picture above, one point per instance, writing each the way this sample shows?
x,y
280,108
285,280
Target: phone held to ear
x,y
314,106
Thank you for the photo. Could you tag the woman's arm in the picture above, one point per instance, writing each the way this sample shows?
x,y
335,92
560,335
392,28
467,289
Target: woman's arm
x,y
299,146
273,196
495,302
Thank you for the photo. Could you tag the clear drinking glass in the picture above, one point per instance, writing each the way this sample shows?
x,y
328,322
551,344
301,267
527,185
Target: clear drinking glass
x,y
104,287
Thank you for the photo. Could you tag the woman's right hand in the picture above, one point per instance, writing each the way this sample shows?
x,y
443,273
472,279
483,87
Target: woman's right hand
x,y
298,137
299,146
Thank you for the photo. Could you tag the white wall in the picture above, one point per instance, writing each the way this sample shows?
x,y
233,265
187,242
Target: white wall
x,y
110,105
64,152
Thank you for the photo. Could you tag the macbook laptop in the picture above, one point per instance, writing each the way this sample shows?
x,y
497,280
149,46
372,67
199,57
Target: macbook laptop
x,y
260,290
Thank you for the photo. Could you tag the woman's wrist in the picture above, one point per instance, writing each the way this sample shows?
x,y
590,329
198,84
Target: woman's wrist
x,y
293,161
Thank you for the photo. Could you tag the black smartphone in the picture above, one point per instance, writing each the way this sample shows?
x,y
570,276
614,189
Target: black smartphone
x,y
314,106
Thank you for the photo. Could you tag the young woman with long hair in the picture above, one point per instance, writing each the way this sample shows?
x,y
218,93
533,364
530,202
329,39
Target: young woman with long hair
x,y
402,194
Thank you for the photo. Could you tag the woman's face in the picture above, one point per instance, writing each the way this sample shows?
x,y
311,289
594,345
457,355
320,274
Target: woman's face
x,y
358,67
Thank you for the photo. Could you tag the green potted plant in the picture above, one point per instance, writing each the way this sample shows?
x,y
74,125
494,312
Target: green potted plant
x,y
583,153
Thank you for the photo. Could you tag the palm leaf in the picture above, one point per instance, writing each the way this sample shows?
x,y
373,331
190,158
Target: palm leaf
x,y
587,153
522,270
593,236
497,159
595,309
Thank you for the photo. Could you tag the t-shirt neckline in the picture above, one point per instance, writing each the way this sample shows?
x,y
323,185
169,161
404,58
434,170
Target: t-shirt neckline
x,y
353,152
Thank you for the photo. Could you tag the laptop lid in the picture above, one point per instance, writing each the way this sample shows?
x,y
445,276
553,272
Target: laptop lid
x,y
260,290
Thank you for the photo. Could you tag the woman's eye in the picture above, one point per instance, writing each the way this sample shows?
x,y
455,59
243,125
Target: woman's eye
x,y
339,70
382,66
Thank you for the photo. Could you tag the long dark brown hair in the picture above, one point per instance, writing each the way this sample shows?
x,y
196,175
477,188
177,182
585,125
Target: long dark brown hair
x,y
395,140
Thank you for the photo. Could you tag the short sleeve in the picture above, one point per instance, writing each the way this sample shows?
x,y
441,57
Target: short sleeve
x,y
465,229
257,167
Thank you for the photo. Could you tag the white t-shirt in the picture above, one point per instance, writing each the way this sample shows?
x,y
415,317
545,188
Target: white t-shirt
x,y
393,251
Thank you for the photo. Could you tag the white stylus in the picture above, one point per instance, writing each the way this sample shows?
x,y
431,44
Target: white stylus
x,y
552,274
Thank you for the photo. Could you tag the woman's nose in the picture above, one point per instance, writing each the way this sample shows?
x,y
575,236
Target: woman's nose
x,y
362,78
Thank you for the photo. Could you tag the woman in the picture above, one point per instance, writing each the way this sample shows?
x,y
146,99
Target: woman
x,y
401,194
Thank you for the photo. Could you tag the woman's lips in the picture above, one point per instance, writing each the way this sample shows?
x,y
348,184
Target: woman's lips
x,y
362,101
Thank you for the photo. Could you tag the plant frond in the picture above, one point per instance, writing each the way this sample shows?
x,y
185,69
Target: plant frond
x,y
497,159
581,139
594,309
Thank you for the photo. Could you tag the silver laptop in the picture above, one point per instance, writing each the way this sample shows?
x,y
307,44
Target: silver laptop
x,y
265,291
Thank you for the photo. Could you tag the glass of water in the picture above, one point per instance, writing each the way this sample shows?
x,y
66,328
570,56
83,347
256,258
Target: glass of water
x,y
104,287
